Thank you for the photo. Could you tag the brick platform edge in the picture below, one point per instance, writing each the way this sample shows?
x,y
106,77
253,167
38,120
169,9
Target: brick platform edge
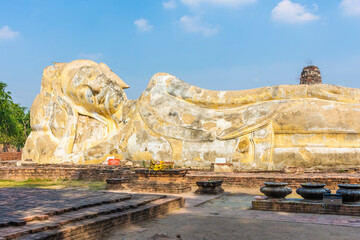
x,y
56,173
256,180
167,181
94,229
103,172
305,207
6,156
101,226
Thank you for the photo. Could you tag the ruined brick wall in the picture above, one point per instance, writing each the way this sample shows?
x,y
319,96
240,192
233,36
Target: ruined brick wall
x,y
61,172
305,207
6,156
101,173
255,181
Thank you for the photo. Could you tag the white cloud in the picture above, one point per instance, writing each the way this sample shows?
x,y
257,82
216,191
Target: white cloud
x,y
169,4
219,3
350,7
194,24
7,33
91,56
289,12
143,25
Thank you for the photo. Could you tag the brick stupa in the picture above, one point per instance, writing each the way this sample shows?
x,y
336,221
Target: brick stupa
x,y
310,75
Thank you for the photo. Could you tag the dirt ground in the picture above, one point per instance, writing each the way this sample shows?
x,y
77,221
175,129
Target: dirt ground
x,y
228,217
192,227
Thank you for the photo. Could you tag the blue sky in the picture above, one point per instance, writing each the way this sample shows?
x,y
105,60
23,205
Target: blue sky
x,y
213,44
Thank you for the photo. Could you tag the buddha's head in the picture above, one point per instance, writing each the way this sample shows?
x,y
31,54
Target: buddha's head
x,y
93,86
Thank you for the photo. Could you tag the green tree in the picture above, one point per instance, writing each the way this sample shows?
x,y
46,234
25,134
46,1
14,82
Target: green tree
x,y
22,117
14,120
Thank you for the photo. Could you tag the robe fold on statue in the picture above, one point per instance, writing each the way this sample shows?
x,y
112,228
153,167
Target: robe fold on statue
x,y
176,109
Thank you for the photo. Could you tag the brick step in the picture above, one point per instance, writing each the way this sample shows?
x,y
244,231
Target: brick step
x,y
8,163
96,227
60,217
162,189
44,214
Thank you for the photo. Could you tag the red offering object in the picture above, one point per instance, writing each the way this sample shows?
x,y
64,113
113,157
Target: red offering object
x,y
114,161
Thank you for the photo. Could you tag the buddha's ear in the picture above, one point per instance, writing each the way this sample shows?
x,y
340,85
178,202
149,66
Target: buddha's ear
x,y
110,74
50,74
59,66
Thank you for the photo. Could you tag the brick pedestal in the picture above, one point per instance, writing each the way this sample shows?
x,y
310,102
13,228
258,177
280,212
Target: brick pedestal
x,y
209,187
301,206
6,156
117,183
167,181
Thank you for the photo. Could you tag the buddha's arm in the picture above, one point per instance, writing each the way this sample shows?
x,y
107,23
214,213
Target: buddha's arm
x,y
232,99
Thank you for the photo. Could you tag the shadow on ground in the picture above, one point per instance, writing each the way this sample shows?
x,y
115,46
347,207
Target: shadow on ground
x,y
227,217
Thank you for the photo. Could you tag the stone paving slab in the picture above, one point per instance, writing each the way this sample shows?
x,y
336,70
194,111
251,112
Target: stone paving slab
x,y
229,217
21,205
281,216
225,205
239,207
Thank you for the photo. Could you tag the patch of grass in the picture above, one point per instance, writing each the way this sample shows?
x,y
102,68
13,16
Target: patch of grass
x,y
50,184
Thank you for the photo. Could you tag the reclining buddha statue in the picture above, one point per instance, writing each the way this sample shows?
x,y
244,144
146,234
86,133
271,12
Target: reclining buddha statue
x,y
82,116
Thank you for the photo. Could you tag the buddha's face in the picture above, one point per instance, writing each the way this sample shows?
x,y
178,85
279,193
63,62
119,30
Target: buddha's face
x,y
95,88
